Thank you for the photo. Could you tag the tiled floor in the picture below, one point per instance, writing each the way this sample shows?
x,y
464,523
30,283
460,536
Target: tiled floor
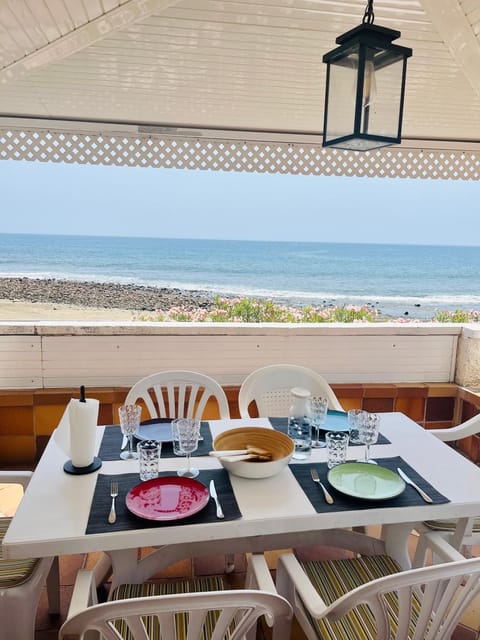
x,y
47,626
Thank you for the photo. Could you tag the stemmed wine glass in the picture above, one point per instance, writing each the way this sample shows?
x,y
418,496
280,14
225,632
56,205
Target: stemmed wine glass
x,y
354,418
188,434
368,433
319,407
129,423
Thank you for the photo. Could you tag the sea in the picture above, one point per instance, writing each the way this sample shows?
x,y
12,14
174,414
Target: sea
x,y
409,281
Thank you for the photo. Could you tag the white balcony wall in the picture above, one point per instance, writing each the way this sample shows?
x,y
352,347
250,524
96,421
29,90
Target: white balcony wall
x,y
20,361
55,355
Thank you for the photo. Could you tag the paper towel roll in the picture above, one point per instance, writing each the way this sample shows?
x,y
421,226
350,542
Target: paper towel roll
x,y
83,417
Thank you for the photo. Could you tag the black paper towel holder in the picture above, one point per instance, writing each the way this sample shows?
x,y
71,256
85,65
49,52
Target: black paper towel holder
x,y
69,467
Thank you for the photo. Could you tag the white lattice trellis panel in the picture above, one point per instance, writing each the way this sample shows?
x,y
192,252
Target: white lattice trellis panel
x,y
180,152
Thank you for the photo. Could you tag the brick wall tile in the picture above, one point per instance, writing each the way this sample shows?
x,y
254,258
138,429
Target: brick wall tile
x,y
412,406
439,408
412,390
442,389
379,391
16,421
375,405
17,450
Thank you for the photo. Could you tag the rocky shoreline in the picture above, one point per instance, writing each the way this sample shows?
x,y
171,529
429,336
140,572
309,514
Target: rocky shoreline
x,y
101,295
98,298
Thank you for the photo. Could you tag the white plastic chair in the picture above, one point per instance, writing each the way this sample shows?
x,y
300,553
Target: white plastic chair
x,y
369,597
22,581
465,532
269,387
194,609
178,394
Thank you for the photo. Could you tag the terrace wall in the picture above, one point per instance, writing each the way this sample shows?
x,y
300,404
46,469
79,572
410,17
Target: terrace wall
x,y
422,370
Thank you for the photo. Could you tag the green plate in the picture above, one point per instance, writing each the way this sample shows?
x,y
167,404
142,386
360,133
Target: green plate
x,y
366,481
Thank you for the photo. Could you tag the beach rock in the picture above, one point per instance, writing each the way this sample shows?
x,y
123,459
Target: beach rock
x,y
101,295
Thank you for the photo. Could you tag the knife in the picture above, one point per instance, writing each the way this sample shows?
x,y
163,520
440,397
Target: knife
x,y
213,493
404,476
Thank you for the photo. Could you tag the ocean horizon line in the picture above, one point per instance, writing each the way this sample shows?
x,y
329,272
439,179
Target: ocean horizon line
x,y
244,240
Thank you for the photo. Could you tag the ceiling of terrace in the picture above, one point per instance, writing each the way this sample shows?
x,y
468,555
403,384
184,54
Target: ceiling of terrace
x,y
244,69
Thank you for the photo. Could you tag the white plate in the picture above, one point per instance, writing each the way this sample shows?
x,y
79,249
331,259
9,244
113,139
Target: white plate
x,y
154,430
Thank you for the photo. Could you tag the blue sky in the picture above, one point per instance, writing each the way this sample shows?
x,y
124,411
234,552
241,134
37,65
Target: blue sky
x,y
94,200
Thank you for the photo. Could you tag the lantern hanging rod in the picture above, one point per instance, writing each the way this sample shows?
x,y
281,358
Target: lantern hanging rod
x,y
368,16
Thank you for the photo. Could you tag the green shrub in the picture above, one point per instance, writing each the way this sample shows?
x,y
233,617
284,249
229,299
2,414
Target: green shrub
x,y
262,310
457,316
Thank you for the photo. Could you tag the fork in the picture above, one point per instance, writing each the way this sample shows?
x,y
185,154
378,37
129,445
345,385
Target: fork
x,y
112,516
315,478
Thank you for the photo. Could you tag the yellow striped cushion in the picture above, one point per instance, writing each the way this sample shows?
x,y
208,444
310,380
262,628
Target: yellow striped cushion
x,y
334,578
450,525
13,572
155,589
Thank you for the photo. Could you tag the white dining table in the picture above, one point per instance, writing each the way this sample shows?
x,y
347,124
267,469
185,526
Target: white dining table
x,y
275,512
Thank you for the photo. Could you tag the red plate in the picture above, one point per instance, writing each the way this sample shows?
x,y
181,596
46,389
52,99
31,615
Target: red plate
x,y
167,498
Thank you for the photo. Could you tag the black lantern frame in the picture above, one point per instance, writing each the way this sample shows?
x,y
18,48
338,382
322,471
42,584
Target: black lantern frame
x,y
365,89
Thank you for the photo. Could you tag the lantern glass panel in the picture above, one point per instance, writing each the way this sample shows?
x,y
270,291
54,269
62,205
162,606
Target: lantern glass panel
x,y
381,100
341,96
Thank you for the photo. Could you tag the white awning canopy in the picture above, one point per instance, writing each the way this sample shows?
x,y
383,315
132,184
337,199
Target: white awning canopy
x,y
231,85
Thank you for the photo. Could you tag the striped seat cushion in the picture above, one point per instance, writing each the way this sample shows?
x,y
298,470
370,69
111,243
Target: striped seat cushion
x,y
450,525
156,589
334,578
13,572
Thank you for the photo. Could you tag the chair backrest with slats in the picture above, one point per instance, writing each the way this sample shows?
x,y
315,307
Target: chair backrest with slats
x,y
444,592
182,617
468,533
178,394
269,387
428,602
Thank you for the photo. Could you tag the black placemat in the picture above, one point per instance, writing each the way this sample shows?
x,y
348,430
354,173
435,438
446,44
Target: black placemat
x,y
408,498
112,441
97,521
281,424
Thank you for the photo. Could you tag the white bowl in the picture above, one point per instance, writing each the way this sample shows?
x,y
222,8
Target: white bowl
x,y
277,443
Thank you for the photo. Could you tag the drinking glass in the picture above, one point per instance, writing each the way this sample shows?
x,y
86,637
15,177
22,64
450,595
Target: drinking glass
x,y
175,443
337,448
188,434
354,418
368,434
129,423
149,452
319,407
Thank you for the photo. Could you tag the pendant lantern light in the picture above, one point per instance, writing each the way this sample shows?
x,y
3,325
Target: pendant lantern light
x,y
365,87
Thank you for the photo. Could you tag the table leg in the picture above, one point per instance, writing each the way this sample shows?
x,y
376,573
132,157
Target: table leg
x,y
124,566
464,528
396,537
